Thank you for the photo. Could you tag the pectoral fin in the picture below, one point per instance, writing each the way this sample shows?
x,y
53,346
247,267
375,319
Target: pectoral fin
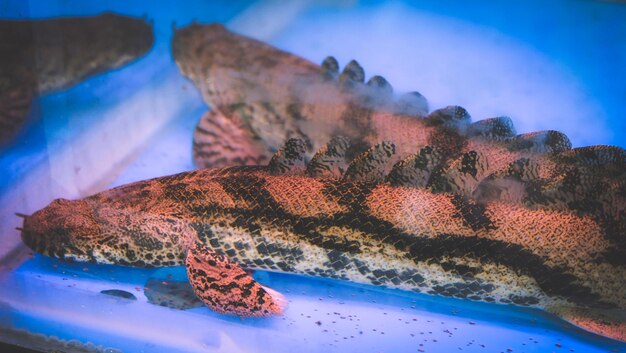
x,y
227,288
606,322
221,141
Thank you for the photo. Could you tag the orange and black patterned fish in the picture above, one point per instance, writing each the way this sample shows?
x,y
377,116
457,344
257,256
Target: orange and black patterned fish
x,y
544,232
45,55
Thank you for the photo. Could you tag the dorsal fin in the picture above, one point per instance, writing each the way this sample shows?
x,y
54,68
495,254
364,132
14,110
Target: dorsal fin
x,y
289,159
353,72
330,67
415,170
586,181
592,180
381,83
549,141
452,116
377,93
413,104
493,128
462,175
370,165
605,159
589,180
510,184
330,160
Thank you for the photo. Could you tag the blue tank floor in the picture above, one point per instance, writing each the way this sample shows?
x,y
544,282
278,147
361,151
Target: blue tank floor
x,y
542,65
65,301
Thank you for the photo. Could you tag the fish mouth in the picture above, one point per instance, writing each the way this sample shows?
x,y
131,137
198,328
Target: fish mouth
x,y
54,243
39,241
27,239
51,230
26,234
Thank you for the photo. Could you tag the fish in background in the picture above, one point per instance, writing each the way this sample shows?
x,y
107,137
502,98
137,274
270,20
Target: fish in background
x,y
45,55
261,96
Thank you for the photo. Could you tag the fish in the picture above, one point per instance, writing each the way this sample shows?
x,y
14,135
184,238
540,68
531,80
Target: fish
x,y
261,96
361,220
41,56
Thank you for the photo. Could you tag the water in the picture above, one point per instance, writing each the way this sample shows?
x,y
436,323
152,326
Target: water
x,y
553,65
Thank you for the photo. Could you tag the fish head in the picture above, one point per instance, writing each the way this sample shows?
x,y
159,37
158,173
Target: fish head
x,y
93,231
64,229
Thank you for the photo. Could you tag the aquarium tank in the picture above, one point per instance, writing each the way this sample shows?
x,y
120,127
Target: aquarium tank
x,y
312,176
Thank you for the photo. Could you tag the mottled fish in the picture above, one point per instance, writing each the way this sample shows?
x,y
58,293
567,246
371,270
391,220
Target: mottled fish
x,y
261,96
44,55
529,246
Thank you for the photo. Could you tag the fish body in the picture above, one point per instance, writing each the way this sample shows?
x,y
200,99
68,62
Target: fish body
x,y
351,227
46,55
